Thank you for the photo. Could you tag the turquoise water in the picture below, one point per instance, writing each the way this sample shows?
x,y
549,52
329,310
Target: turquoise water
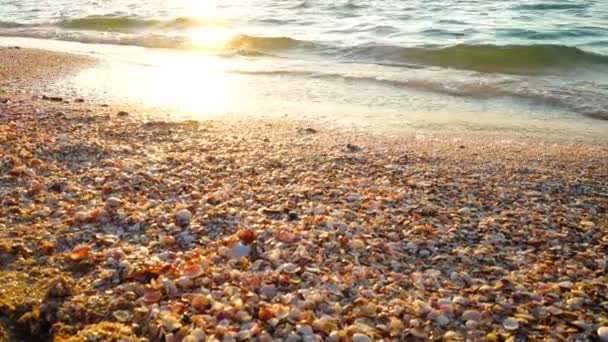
x,y
547,57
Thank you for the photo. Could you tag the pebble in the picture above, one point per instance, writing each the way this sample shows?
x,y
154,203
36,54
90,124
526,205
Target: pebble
x,y
471,315
183,217
113,203
358,337
602,333
510,323
442,320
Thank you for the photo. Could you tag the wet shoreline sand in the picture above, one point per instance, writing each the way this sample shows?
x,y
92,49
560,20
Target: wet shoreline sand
x,y
113,225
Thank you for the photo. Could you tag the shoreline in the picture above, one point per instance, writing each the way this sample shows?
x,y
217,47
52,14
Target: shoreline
x,y
260,228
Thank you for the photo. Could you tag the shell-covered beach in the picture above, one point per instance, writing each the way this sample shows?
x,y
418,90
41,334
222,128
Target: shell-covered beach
x,y
117,225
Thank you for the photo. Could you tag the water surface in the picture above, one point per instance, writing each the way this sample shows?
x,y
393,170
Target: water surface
x,y
513,65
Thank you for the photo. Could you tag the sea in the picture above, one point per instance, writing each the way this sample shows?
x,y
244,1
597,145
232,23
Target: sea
x,y
507,66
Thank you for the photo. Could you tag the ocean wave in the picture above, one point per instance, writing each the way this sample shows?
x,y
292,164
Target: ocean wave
x,y
534,59
122,24
245,45
128,24
510,59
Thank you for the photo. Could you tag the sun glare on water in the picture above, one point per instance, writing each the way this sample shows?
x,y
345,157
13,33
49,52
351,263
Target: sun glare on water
x,y
210,38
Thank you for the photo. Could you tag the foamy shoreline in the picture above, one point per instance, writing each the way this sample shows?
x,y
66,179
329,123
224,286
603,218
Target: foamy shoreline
x,y
118,226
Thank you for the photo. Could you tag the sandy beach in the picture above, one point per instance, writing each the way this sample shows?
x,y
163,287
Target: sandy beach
x,y
118,225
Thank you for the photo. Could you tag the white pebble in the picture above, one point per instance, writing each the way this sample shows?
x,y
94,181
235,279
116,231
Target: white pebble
x,y
602,332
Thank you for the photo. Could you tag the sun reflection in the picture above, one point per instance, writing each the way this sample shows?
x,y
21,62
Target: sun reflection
x,y
197,84
210,38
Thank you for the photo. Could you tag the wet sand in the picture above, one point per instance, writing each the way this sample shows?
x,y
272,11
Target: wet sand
x,y
115,225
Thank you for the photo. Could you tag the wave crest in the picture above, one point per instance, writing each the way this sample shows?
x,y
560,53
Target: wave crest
x,y
513,59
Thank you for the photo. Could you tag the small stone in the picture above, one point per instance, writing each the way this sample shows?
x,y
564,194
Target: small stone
x,y
310,130
113,203
565,284
357,244
123,113
79,100
292,216
268,291
471,315
602,332
412,247
510,323
460,300
358,337
442,320
183,217
306,330
464,211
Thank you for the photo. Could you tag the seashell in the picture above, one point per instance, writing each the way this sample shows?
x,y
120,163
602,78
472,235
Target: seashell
x,y
107,188
184,282
192,270
113,203
121,315
171,323
272,255
357,245
396,325
452,336
152,296
81,216
35,187
326,324
579,323
264,313
286,237
246,236
268,291
199,301
80,253
419,333
460,300
510,323
18,170
166,240
36,162
290,268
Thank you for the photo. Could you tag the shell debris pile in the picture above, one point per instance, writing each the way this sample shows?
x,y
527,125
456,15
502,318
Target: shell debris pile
x,y
238,230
